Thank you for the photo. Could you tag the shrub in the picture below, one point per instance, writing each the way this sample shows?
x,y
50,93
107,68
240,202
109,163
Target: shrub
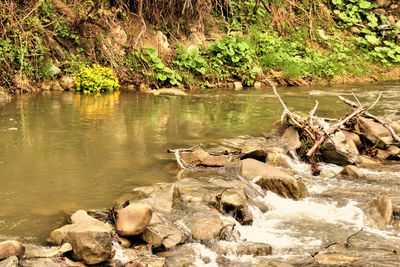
x,y
96,79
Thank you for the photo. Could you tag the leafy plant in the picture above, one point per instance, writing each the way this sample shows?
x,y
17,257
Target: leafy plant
x,y
96,79
147,57
191,60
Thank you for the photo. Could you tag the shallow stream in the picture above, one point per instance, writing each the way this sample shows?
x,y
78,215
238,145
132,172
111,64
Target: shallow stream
x,y
60,152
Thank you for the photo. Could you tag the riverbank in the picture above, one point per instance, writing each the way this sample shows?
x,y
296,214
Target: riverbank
x,y
213,45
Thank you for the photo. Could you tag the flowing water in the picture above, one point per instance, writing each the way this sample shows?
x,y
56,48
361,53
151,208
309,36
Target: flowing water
x,y
61,152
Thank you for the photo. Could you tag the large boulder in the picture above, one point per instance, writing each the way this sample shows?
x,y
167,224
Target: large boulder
x,y
375,132
273,179
11,248
339,150
159,235
133,219
90,238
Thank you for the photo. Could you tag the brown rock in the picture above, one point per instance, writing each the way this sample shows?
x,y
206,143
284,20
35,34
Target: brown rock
x,y
171,91
380,11
366,161
11,248
273,179
278,128
383,3
279,160
291,139
352,171
133,219
11,261
354,137
381,211
163,235
201,157
206,229
338,151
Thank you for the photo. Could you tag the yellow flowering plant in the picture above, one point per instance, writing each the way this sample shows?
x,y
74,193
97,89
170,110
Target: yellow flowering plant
x,y
96,79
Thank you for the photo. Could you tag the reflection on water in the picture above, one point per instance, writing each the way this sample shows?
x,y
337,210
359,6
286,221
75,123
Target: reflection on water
x,y
62,152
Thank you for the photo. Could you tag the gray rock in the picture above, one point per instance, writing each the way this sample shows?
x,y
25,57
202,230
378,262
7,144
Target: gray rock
x,y
393,150
55,70
352,171
278,128
291,139
338,151
354,137
273,179
366,161
11,248
90,238
375,132
163,235
133,219
11,261
206,229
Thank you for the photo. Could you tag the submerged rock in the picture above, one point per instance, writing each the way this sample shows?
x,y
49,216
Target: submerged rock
x,y
171,91
11,248
338,151
133,219
273,179
381,211
375,132
90,238
203,158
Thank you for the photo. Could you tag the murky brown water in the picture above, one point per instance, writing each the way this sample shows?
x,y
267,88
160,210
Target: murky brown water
x,y
62,152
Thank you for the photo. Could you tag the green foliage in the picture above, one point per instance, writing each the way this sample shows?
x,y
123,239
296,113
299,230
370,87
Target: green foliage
x,y
191,61
96,79
146,60
237,55
351,12
74,63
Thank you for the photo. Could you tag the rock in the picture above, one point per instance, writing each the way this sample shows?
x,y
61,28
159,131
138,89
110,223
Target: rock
x,y
334,259
393,150
41,252
375,132
125,243
279,127
55,86
161,197
11,261
383,3
257,154
394,6
206,229
203,158
279,160
163,235
273,179
257,85
291,139
381,211
11,248
90,238
133,219
352,171
273,263
367,161
253,248
391,20
338,151
233,198
397,24
237,86
42,262
180,261
354,137
355,30
382,154
67,82
396,126
171,91
380,11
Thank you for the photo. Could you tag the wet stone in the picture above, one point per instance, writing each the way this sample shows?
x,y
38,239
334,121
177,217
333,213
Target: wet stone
x,y
11,261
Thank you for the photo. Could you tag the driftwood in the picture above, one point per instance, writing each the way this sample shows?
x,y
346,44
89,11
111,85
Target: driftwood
x,y
367,114
319,130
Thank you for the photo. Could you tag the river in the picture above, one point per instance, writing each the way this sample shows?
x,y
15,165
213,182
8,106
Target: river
x,y
60,152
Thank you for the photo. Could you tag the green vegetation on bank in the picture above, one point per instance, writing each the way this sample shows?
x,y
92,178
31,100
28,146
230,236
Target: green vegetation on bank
x,y
299,39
